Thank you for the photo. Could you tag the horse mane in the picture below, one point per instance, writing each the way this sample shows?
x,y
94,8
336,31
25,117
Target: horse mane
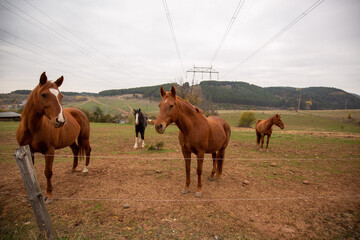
x,y
28,106
190,106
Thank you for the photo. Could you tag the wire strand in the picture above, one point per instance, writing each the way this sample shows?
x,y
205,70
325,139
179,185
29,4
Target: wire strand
x,y
291,24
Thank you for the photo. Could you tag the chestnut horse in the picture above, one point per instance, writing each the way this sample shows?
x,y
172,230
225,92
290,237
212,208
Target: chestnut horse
x,y
198,134
264,127
46,126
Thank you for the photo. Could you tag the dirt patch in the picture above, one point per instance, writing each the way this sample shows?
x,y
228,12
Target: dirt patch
x,y
274,203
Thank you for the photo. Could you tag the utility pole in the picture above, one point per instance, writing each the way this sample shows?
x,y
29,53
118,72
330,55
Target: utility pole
x,y
345,103
299,103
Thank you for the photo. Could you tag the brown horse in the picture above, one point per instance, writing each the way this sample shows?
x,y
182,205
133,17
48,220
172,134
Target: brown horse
x,y
264,127
198,134
46,126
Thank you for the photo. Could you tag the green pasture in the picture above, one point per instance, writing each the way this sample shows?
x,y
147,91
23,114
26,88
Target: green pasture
x,y
112,138
326,120
302,151
112,105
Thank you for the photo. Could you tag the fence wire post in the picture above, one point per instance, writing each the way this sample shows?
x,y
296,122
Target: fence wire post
x,y
24,162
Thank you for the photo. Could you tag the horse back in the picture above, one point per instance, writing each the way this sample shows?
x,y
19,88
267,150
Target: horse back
x,y
259,124
262,128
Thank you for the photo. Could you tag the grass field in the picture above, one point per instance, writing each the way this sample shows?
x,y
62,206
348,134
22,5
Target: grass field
x,y
306,186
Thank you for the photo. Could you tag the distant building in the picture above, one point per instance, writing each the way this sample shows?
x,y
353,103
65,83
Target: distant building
x,y
9,116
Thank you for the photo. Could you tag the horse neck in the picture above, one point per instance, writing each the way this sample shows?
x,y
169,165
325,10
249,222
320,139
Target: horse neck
x,y
187,115
269,122
141,119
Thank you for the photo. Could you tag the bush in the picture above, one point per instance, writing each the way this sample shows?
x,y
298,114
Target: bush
x,y
247,119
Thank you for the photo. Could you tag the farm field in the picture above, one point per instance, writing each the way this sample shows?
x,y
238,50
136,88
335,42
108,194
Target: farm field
x,y
306,187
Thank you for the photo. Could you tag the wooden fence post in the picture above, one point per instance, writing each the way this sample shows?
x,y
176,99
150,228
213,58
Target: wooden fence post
x,y
24,162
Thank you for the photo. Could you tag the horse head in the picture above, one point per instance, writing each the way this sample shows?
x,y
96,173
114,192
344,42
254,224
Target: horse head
x,y
47,100
278,122
137,115
169,111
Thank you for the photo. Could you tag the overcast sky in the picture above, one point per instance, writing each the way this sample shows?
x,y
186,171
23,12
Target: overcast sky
x,y
100,45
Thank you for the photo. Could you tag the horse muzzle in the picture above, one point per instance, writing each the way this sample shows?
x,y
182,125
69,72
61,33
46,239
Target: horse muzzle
x,y
57,123
160,128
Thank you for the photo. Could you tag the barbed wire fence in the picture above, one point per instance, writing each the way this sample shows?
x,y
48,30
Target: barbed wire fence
x,y
231,199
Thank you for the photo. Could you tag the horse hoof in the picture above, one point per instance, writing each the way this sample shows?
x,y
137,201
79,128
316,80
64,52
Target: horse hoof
x,y
184,191
48,200
211,179
85,170
198,194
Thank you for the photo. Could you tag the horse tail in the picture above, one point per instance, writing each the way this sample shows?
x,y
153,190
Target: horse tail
x,y
84,137
81,146
221,153
258,137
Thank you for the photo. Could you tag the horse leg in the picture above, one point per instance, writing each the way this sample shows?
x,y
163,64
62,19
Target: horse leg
x,y
267,142
75,150
200,160
262,142
49,160
258,136
213,171
220,157
142,138
187,157
136,140
87,153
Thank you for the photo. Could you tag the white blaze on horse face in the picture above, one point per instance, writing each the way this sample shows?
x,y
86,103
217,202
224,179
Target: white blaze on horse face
x,y
56,93
137,119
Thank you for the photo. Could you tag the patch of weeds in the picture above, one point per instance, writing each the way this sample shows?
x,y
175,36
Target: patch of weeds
x,y
156,147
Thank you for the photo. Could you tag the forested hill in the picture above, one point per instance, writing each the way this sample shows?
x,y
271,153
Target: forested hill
x,y
279,97
147,92
241,93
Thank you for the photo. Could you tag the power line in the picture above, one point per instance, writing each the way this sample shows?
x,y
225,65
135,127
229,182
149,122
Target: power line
x,y
46,57
310,9
51,34
67,40
173,34
67,30
232,20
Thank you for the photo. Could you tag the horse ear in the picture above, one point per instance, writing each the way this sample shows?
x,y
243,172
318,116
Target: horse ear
x,y
277,115
162,92
139,110
59,81
173,91
43,78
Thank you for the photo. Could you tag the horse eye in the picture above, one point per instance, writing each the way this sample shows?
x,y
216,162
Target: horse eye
x,y
171,106
44,95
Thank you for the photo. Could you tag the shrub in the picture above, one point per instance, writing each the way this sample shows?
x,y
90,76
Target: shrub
x,y
247,119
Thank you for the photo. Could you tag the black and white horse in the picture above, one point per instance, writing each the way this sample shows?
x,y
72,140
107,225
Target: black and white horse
x,y
140,125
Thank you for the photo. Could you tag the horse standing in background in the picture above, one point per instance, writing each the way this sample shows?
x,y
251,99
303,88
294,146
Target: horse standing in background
x,y
264,127
140,125
46,126
198,134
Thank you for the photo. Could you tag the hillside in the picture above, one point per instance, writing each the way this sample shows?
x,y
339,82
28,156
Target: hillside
x,y
229,95
241,93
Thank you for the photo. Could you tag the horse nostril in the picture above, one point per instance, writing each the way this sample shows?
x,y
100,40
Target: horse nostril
x,y
57,120
160,126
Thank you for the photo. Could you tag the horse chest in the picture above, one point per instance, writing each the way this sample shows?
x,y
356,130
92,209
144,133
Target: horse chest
x,y
192,144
